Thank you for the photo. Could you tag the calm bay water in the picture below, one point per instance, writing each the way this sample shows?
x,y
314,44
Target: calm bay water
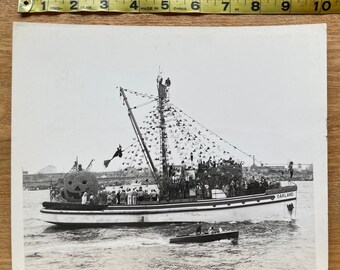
x,y
262,245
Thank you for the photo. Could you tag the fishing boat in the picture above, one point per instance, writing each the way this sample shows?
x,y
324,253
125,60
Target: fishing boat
x,y
211,190
202,238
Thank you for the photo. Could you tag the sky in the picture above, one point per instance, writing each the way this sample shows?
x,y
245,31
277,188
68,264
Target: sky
x,y
261,88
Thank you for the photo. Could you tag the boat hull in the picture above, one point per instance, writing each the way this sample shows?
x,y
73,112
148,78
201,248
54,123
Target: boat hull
x,y
271,206
202,238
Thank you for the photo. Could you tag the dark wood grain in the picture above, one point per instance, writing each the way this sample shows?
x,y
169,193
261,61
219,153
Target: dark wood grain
x,y
9,15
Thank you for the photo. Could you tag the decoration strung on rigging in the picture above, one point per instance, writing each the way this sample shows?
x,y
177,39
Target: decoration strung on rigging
x,y
187,137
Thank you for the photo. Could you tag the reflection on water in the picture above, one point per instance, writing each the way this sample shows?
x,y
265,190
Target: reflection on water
x,y
262,245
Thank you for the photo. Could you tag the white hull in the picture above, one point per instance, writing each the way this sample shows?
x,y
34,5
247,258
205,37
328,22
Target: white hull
x,y
253,207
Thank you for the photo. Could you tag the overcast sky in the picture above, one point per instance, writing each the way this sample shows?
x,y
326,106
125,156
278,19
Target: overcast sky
x,y
261,88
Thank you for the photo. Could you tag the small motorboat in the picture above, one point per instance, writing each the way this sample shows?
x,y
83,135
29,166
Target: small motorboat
x,y
201,238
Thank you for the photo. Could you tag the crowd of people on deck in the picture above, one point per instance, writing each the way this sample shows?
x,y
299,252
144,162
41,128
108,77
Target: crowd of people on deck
x,y
181,186
244,187
56,195
212,163
239,187
128,196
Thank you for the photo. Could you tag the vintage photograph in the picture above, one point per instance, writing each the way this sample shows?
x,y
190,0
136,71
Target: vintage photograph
x,y
169,147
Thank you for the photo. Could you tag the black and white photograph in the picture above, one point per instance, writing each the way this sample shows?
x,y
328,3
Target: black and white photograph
x,y
169,147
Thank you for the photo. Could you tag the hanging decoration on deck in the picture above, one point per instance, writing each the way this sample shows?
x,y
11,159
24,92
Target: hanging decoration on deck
x,y
118,153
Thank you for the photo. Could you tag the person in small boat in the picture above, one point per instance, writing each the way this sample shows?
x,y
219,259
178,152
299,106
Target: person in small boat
x,y
199,228
211,230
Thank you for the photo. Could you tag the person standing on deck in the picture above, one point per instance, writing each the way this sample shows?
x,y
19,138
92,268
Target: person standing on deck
x,y
109,198
134,196
290,169
129,196
113,197
118,195
140,194
84,197
123,197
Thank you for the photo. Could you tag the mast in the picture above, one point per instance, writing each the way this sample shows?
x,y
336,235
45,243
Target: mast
x,y
139,136
163,99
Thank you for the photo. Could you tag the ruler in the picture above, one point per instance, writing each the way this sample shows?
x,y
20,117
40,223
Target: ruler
x,y
184,6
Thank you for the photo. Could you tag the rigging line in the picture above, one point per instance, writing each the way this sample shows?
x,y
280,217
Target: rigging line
x,y
179,131
285,164
204,139
134,158
129,146
180,127
145,136
185,127
142,148
139,94
236,148
144,104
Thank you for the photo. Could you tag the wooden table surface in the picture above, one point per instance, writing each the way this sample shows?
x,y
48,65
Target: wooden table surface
x,y
8,15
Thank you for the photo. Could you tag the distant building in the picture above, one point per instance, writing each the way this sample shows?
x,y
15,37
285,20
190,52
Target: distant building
x,y
41,181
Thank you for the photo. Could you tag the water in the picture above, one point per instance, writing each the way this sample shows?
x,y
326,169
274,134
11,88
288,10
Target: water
x,y
262,245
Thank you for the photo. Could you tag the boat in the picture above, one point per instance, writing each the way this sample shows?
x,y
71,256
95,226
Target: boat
x,y
205,237
187,193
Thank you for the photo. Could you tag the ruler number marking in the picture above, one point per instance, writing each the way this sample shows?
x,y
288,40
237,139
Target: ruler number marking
x,y
325,6
285,6
255,6
195,5
74,4
226,4
165,4
134,5
104,4
43,5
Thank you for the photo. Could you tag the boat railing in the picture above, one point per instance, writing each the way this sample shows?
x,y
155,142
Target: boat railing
x,y
281,190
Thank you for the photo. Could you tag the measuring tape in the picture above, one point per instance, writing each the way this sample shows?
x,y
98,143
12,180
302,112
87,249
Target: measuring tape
x,y
184,6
